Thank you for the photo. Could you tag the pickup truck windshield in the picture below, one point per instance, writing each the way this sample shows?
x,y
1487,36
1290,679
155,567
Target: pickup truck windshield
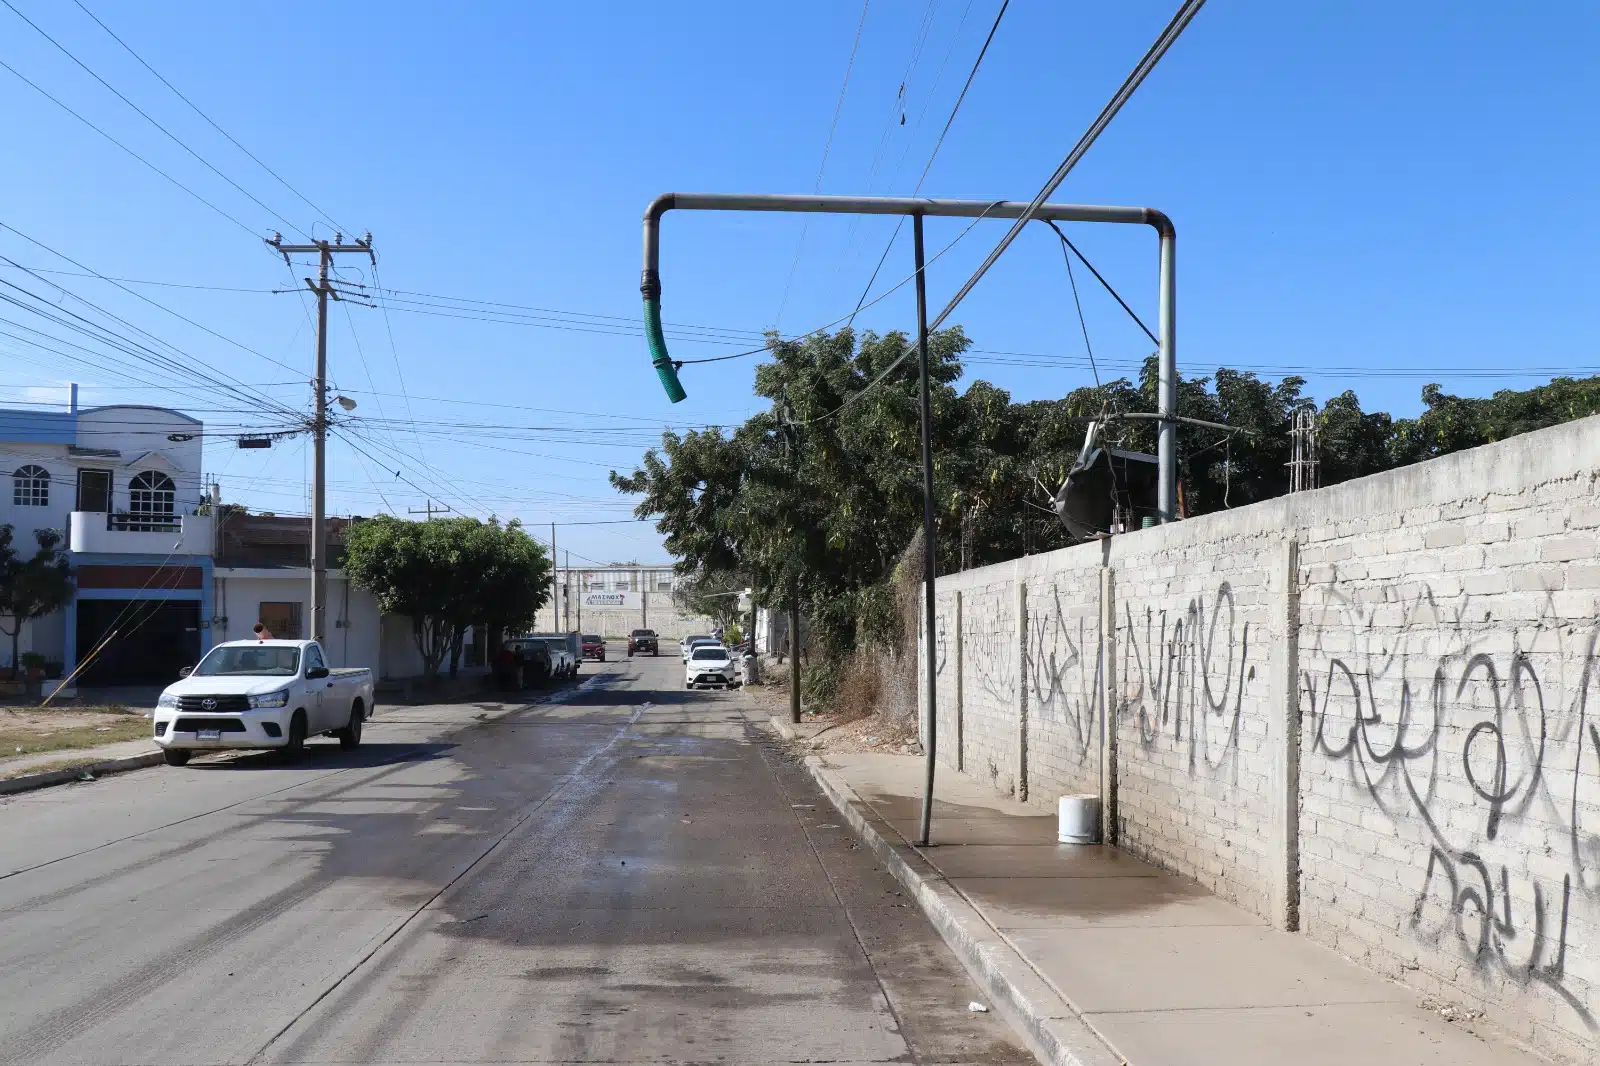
x,y
710,653
249,661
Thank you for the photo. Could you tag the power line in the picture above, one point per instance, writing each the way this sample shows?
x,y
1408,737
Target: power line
x,y
843,318
827,147
1068,245
1186,13
898,109
137,295
192,106
973,73
1130,84
42,92
1077,303
174,137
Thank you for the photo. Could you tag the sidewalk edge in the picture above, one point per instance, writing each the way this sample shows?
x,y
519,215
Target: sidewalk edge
x,y
68,774
1049,1026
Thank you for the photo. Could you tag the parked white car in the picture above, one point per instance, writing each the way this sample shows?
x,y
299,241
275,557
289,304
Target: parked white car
x,y
564,662
261,694
710,666
687,644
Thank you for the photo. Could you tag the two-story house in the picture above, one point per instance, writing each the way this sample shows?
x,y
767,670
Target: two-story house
x,y
123,483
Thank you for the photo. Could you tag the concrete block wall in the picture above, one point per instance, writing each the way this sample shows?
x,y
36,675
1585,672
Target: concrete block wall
x,y
1370,713
1063,677
1193,706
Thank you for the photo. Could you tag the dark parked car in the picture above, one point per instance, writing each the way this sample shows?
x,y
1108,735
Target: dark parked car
x,y
594,647
523,663
641,641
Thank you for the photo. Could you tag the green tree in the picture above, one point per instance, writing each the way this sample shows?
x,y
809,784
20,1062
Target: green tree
x,y
33,587
818,496
448,574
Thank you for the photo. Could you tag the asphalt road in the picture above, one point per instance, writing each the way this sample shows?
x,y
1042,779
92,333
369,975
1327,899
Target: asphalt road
x,y
631,873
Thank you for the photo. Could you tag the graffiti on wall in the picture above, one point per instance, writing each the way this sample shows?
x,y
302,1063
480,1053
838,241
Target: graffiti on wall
x,y
1482,733
1062,671
989,646
1183,676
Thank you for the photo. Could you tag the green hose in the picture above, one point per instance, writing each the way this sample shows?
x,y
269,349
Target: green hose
x,y
658,348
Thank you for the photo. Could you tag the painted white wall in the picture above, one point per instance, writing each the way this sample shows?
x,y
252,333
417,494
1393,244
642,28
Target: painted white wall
x,y
358,633
398,655
352,637
140,434
63,489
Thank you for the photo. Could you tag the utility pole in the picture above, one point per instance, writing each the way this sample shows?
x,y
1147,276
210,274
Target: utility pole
x,y
555,583
325,251
429,510
566,581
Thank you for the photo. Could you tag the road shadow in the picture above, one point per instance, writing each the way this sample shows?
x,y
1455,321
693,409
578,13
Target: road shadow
x,y
328,757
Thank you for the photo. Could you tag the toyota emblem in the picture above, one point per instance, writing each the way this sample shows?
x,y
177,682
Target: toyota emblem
x,y
209,704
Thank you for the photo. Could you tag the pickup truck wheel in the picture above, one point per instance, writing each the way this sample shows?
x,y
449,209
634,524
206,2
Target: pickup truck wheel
x,y
350,735
295,746
175,756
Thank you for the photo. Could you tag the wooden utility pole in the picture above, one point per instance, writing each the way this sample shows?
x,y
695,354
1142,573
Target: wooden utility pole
x,y
325,251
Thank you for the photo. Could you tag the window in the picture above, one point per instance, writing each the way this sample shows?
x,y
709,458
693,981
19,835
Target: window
x,y
281,619
150,498
664,581
314,659
30,486
248,661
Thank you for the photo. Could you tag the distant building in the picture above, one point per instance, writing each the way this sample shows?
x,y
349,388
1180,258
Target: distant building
x,y
615,600
123,484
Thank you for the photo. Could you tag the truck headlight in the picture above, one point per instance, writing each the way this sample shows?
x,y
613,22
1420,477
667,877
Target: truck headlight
x,y
167,699
270,699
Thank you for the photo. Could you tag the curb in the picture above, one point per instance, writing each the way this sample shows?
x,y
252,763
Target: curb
x,y
1045,1021
785,730
67,775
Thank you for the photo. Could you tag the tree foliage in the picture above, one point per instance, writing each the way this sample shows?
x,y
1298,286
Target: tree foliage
x,y
448,574
817,499
34,586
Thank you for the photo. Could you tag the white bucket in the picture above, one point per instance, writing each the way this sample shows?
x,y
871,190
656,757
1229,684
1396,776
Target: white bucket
x,y
1078,820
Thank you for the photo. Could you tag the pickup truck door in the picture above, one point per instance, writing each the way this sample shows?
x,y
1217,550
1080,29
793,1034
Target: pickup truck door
x,y
318,706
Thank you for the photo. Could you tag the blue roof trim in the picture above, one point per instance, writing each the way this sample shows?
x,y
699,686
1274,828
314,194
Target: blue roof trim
x,y
38,427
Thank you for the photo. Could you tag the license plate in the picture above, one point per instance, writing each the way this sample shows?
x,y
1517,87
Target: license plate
x,y
208,734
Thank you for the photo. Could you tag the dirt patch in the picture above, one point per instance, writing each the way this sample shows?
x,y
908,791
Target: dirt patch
x,y
864,734
837,733
29,731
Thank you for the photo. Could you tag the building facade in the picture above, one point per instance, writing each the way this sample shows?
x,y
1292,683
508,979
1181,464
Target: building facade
x,y
613,601
263,574
123,486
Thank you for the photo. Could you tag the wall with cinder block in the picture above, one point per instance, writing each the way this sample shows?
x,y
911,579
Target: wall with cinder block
x,y
1370,713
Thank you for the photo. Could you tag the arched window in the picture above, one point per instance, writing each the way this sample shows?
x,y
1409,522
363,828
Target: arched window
x,y
30,486
150,500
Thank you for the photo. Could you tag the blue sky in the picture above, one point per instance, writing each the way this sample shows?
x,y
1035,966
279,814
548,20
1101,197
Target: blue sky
x,y
1371,195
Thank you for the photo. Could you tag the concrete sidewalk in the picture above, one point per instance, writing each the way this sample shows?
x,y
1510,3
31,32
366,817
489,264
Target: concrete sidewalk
x,y
1099,959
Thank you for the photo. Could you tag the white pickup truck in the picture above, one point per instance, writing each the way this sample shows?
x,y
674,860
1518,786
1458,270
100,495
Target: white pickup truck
x,y
261,694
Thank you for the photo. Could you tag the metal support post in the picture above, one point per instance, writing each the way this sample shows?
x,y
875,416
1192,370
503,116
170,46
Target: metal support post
x,y
1167,398
794,653
930,741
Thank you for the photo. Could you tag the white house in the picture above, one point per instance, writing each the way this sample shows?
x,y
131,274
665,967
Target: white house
x,y
122,483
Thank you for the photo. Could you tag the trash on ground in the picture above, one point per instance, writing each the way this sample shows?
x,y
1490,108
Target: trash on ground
x,y
977,1008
